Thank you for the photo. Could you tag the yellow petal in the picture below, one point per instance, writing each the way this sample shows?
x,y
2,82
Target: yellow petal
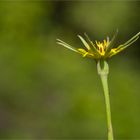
x,y
82,50
113,51
105,43
97,43
85,53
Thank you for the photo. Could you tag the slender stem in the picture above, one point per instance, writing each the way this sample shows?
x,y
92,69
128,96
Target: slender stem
x,y
107,102
103,72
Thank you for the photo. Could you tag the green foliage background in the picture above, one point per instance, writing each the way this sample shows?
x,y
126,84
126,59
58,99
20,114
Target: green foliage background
x,y
49,92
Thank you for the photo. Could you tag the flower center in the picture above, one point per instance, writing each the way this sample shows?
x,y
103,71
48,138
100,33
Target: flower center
x,y
101,47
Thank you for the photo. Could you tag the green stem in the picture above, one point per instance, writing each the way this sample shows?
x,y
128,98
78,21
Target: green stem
x,y
103,72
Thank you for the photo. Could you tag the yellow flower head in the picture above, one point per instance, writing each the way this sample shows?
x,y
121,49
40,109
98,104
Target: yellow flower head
x,y
99,50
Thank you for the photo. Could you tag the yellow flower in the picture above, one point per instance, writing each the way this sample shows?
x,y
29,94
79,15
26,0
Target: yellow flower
x,y
99,50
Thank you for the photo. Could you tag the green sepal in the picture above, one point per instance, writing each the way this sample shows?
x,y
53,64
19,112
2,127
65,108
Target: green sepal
x,y
128,43
84,42
95,51
60,42
102,67
112,42
133,39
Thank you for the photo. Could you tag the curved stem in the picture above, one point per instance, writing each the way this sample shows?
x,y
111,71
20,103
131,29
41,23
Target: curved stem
x,y
103,72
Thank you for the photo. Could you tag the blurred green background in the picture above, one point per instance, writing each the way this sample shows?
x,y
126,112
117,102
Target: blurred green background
x,y
49,92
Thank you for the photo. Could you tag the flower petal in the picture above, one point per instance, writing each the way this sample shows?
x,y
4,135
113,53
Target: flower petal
x,y
113,52
85,53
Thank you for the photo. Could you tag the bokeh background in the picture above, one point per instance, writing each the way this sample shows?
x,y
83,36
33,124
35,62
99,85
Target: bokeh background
x,y
49,92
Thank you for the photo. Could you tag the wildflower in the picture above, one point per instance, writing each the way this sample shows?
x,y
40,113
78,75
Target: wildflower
x,y
99,50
